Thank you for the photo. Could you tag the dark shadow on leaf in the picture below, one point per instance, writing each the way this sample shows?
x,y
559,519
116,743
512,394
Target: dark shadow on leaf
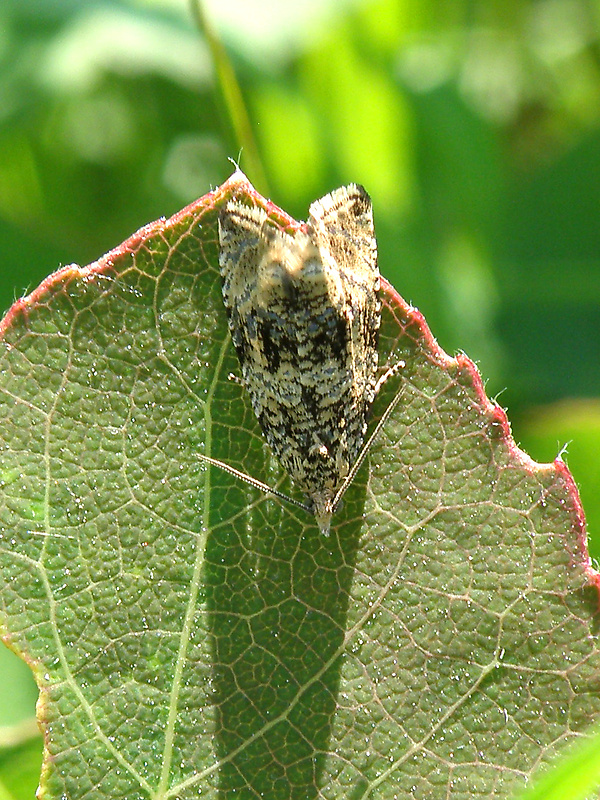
x,y
277,597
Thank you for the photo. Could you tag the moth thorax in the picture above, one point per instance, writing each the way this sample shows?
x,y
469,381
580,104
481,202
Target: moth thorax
x,y
293,268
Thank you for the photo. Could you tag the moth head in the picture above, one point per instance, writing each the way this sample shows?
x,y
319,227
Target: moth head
x,y
323,509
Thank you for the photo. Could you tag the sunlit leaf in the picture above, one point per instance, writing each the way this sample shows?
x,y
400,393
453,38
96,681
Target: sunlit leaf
x,y
194,637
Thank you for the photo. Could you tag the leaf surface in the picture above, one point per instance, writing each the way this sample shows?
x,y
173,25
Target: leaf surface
x,y
194,637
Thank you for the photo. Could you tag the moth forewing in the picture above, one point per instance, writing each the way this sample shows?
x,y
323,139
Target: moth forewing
x,y
304,316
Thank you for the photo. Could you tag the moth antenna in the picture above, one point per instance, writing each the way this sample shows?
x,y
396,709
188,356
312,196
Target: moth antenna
x,y
254,482
365,449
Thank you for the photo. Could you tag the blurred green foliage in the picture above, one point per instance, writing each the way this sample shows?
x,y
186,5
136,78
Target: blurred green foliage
x,y
573,775
20,766
475,126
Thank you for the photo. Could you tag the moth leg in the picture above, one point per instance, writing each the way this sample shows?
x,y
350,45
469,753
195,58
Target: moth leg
x,y
236,379
389,373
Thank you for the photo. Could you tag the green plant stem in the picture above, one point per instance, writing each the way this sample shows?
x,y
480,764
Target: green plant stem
x,y
232,98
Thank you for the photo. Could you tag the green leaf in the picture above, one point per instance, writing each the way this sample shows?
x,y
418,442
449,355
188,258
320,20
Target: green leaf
x,y
193,637
573,429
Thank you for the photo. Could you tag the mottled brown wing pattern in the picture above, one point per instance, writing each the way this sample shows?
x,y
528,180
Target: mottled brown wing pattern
x,y
304,317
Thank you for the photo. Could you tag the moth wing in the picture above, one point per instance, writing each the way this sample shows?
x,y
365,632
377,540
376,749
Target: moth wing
x,y
242,244
342,223
342,226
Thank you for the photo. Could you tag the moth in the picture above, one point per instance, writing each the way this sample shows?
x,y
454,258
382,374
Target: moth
x,y
304,316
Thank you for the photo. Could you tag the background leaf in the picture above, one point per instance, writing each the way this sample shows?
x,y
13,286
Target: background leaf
x,y
20,752
192,635
573,777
